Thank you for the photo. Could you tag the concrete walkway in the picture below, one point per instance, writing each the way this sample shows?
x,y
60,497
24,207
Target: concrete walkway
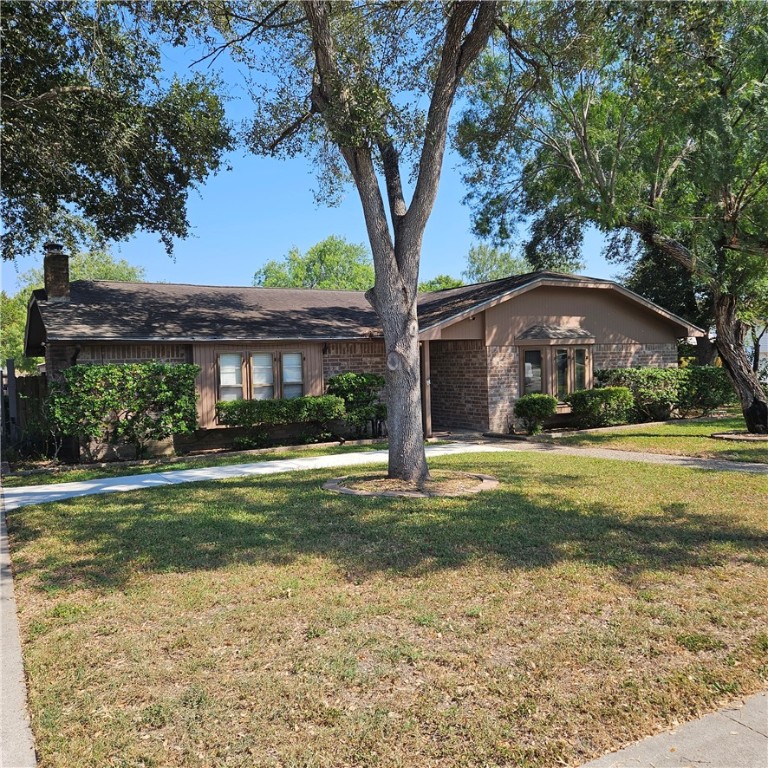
x,y
39,494
745,745
736,737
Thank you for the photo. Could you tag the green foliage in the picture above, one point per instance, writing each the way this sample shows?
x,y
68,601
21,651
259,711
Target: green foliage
x,y
703,389
655,390
332,264
602,407
660,392
131,403
440,283
361,393
258,413
485,262
90,127
534,409
95,264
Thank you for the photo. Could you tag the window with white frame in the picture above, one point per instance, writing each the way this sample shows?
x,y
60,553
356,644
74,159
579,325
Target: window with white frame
x,y
260,375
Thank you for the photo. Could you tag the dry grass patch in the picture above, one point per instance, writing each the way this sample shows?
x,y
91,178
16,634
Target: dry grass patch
x,y
266,622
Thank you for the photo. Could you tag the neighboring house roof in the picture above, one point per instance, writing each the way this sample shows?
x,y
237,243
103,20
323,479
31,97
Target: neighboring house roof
x,y
141,312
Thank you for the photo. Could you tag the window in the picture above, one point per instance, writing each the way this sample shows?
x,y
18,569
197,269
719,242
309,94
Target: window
x,y
561,370
231,377
533,377
555,370
580,369
293,375
260,375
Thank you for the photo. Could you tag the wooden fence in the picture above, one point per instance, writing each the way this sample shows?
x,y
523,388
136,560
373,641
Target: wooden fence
x,y
23,398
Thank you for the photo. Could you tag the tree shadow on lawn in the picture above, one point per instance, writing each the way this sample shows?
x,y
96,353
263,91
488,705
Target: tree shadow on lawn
x,y
103,541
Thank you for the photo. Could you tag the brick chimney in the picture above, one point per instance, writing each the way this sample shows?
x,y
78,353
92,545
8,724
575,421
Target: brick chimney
x,y
56,271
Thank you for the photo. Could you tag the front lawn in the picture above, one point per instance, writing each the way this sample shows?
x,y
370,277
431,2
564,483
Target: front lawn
x,y
582,605
677,438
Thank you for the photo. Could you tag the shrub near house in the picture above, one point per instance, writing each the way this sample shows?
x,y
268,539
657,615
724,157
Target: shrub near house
x,y
123,404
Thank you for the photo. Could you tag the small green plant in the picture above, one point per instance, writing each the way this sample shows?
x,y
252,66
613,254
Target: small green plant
x,y
361,393
534,409
600,407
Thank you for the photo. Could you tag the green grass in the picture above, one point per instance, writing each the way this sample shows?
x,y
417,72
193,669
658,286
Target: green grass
x,y
582,605
193,462
677,438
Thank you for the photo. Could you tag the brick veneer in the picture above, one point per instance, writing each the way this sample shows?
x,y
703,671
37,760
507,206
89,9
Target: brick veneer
x,y
356,356
503,384
633,355
459,384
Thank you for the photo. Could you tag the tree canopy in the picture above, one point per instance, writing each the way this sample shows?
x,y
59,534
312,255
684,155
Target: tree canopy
x,y
332,264
95,264
643,119
91,131
487,262
368,88
439,283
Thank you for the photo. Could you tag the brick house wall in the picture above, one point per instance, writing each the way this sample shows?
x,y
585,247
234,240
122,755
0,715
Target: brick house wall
x,y
503,386
459,384
633,355
356,356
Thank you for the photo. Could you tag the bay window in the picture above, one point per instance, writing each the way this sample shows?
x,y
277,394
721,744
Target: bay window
x,y
554,369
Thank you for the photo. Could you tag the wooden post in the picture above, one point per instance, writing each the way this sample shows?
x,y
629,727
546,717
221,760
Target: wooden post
x,y
13,403
426,390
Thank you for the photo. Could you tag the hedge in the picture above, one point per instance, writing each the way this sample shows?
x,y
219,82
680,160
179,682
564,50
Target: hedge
x,y
533,409
602,407
131,403
659,392
654,390
255,413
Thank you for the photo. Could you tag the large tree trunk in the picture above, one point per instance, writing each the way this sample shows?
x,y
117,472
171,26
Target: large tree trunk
x,y
730,345
407,459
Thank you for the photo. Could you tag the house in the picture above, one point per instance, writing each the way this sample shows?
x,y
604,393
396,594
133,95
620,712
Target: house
x,y
482,346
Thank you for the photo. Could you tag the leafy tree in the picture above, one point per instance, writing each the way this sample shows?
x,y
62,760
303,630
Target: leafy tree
x,y
332,264
89,128
641,118
439,283
97,264
485,262
369,87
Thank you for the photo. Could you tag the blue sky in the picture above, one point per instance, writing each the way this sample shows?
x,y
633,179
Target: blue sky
x,y
263,207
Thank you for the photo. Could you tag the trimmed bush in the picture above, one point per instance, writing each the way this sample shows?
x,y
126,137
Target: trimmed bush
x,y
258,413
132,403
534,409
702,389
655,390
659,392
601,407
361,393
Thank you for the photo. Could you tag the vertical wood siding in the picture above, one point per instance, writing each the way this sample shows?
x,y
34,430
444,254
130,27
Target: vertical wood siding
x,y
205,355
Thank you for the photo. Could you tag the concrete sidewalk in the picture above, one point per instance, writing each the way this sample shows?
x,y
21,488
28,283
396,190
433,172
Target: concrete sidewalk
x,y
736,737
731,739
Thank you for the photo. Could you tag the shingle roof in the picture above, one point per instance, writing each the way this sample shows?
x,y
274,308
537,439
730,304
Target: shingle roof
x,y
554,332
144,311
107,310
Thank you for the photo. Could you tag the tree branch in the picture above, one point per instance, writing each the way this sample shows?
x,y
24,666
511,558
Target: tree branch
x,y
8,102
